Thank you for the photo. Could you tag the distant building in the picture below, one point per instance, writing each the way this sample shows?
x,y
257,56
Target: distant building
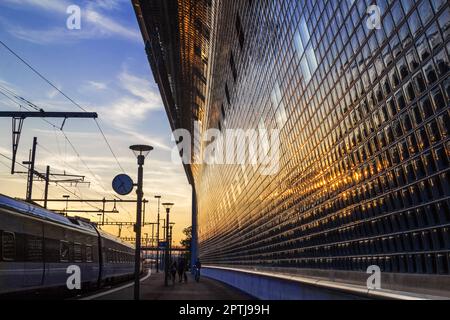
x,y
359,97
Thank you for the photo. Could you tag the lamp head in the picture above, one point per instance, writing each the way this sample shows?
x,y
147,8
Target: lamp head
x,y
141,150
167,205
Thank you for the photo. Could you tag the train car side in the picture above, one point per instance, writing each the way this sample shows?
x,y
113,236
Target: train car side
x,y
35,251
118,259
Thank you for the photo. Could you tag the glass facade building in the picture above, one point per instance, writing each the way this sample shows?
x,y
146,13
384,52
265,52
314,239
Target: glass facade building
x,y
359,92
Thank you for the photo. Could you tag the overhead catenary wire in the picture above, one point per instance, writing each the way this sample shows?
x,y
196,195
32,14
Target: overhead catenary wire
x,y
77,171
39,74
65,137
73,102
62,187
64,95
14,97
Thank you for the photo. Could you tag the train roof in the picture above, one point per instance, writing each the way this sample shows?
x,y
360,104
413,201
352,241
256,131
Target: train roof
x,y
114,238
42,213
37,211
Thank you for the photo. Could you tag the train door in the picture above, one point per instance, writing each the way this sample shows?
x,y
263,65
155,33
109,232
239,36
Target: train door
x,y
33,254
57,255
11,261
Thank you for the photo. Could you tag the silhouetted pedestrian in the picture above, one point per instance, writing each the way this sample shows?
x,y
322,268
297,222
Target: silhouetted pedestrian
x,y
173,271
197,267
181,269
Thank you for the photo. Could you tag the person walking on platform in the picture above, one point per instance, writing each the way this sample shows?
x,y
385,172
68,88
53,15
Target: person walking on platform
x,y
181,269
197,267
173,271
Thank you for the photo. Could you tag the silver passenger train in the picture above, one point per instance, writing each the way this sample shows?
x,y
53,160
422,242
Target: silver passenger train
x,y
37,246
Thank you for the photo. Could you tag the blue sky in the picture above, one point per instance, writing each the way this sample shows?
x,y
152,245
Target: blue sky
x,y
104,68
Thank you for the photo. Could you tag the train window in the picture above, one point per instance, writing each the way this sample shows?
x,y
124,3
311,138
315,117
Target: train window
x,y
77,252
8,246
89,254
64,251
33,249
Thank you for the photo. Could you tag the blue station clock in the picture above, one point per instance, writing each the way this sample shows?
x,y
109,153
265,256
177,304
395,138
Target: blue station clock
x,y
122,184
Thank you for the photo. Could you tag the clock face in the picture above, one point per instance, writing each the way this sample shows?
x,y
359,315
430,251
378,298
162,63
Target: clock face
x,y
122,184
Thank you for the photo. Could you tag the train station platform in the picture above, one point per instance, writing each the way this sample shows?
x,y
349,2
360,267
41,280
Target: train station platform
x,y
152,288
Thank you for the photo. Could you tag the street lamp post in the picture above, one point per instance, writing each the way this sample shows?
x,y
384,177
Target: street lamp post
x,y
157,237
162,255
140,151
167,206
170,239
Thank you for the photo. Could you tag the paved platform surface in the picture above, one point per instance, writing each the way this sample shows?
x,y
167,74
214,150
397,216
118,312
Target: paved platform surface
x,y
153,288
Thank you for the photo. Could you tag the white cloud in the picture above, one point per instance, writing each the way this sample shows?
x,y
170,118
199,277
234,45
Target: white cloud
x,y
106,4
130,109
95,24
146,140
53,92
98,85
48,5
58,35
140,97
107,26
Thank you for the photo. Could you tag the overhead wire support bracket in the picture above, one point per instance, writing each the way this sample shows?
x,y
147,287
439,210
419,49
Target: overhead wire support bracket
x,y
18,118
17,124
62,125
